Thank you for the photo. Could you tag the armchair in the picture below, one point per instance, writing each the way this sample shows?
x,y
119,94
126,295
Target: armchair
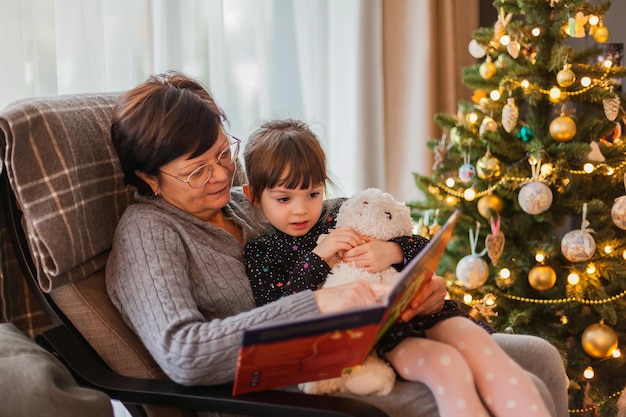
x,y
62,194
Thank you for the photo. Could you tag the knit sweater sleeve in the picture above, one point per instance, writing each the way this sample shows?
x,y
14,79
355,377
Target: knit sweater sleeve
x,y
188,304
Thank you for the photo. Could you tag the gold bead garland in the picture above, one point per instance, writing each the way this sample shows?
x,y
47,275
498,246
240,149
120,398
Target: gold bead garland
x,y
514,82
565,300
590,409
522,180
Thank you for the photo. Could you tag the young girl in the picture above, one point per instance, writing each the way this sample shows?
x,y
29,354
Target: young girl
x,y
465,369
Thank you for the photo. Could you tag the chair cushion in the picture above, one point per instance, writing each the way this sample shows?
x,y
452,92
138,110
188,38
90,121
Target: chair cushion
x,y
66,176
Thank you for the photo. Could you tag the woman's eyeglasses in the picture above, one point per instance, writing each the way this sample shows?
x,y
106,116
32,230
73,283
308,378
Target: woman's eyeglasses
x,y
201,175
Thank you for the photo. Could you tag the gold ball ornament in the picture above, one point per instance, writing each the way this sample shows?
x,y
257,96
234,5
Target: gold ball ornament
x,y
566,77
599,340
601,34
489,204
542,277
487,69
563,129
488,167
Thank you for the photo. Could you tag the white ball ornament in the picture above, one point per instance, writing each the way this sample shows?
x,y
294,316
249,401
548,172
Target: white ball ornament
x,y
472,271
579,245
618,212
535,197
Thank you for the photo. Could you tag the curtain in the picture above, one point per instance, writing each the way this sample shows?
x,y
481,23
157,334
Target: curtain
x,y
425,47
367,75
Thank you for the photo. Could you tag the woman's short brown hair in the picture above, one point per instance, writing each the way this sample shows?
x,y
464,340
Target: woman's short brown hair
x,y
166,117
284,145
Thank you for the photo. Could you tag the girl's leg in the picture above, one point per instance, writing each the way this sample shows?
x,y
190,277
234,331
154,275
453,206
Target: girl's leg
x,y
443,370
503,385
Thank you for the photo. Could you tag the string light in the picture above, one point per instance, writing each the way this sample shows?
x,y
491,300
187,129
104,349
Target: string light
x,y
594,20
588,168
536,31
573,278
555,94
540,257
589,373
608,249
616,353
495,95
591,269
505,273
585,81
450,182
469,194
467,298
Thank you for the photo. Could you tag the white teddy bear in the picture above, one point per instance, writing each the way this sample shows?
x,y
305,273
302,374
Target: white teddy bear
x,y
377,214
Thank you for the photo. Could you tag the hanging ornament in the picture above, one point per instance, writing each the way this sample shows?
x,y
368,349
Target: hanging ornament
x,y
611,107
595,154
494,242
599,340
476,49
472,270
489,205
487,125
499,28
467,172
513,48
566,76
525,134
487,69
576,25
510,113
488,167
563,128
579,245
618,211
601,33
542,277
441,151
455,136
535,197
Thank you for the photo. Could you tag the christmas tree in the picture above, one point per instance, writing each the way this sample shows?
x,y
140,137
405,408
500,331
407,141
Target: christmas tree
x,y
537,163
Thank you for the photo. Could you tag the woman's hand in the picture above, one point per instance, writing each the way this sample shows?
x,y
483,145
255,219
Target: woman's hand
x,y
429,300
355,294
374,255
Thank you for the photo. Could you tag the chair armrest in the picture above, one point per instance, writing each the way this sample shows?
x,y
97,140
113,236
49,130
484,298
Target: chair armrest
x,y
90,371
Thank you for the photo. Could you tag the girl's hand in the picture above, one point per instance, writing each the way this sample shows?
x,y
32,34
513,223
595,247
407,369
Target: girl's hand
x,y
429,300
355,294
374,255
338,240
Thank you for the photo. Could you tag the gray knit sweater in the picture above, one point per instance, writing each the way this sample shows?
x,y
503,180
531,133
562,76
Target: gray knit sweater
x,y
181,285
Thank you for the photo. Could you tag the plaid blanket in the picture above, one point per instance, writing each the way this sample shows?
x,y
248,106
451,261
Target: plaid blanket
x,y
65,175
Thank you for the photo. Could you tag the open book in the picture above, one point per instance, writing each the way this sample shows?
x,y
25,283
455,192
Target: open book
x,y
287,353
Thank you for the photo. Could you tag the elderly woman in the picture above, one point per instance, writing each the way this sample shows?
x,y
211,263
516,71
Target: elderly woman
x,y
176,269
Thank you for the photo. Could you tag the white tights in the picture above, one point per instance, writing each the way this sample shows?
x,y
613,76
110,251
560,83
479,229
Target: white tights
x,y
467,372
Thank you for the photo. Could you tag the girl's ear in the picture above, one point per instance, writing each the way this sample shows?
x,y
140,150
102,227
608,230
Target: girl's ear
x,y
152,181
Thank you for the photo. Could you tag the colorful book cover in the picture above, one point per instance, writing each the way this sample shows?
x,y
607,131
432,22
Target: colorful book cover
x,y
287,353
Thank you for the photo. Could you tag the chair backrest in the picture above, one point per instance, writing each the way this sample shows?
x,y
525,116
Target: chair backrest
x,y
62,174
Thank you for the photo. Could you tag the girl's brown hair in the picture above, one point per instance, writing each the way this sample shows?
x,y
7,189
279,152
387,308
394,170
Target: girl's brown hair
x,y
164,118
284,153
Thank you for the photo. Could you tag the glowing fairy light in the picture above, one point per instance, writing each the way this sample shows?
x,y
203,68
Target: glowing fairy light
x,y
573,278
